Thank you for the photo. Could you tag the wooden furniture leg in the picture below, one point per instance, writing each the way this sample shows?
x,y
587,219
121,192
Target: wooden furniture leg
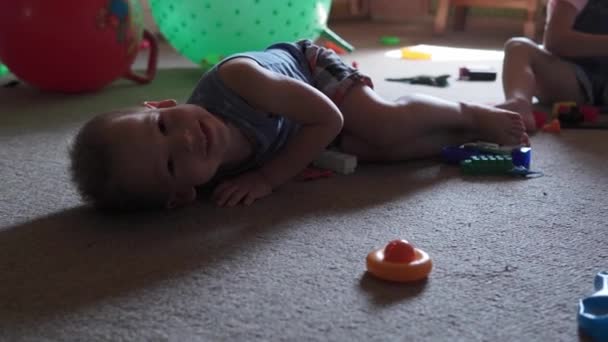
x,y
441,18
359,7
461,9
460,17
530,24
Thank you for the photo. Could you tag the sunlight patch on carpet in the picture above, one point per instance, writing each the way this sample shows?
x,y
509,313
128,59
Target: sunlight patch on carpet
x,y
446,53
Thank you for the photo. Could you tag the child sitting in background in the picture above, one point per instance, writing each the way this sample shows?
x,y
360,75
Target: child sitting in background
x,y
255,121
572,66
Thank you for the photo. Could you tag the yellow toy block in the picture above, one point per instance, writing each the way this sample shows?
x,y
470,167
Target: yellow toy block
x,y
407,53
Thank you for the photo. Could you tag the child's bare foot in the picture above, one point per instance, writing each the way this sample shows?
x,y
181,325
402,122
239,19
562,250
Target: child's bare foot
x,y
497,125
524,108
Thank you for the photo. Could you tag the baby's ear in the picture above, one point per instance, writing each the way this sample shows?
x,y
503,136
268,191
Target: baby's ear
x,y
160,104
181,198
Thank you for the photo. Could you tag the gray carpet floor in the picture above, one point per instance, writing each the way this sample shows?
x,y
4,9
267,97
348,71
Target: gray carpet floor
x,y
512,257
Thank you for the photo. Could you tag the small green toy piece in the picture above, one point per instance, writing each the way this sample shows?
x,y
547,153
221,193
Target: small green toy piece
x,y
487,165
390,40
3,70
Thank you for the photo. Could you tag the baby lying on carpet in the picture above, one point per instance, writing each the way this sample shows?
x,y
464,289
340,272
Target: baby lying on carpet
x,y
257,119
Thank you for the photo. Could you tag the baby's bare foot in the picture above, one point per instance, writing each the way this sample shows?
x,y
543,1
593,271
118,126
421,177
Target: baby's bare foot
x,y
497,125
524,108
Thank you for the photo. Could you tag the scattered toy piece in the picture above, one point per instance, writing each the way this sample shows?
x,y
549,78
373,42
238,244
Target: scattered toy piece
x,y
313,173
144,44
399,251
390,40
400,266
435,81
593,310
552,127
336,161
482,158
333,46
477,74
571,115
487,164
407,53
540,118
561,106
590,113
331,36
3,70
11,84
522,157
456,154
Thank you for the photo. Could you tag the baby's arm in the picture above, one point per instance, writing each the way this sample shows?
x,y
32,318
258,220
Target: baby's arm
x,y
563,41
319,118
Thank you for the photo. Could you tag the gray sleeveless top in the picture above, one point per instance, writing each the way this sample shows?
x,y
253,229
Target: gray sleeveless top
x,y
269,132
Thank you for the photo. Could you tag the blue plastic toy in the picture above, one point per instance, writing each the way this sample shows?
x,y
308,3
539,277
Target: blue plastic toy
x,y
593,310
483,158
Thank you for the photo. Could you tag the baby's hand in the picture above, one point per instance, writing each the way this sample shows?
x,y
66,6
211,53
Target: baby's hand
x,y
245,189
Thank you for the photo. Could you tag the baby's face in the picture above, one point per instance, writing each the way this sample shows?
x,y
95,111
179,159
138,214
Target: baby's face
x,y
167,152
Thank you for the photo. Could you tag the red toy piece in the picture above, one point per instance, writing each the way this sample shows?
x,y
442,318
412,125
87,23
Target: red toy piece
x,y
562,107
590,113
395,263
399,251
540,118
335,48
144,45
553,127
313,173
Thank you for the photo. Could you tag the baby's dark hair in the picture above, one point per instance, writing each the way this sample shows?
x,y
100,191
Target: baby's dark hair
x,y
92,165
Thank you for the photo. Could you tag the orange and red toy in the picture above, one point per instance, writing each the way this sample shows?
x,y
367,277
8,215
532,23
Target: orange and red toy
x,y
399,261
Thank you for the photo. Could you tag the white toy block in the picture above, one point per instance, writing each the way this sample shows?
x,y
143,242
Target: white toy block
x,y
336,161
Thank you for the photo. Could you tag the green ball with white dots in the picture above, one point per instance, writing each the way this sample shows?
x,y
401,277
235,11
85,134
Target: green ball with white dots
x,y
203,30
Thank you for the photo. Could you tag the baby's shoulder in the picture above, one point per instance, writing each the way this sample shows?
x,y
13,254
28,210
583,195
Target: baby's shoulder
x,y
237,66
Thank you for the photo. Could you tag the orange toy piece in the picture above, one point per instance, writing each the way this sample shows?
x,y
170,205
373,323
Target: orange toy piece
x,y
335,48
399,271
553,127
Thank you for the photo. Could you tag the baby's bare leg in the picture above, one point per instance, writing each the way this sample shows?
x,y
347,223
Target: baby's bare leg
x,y
528,71
419,126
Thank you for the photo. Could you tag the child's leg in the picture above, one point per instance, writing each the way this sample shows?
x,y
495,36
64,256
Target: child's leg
x,y
529,71
419,126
